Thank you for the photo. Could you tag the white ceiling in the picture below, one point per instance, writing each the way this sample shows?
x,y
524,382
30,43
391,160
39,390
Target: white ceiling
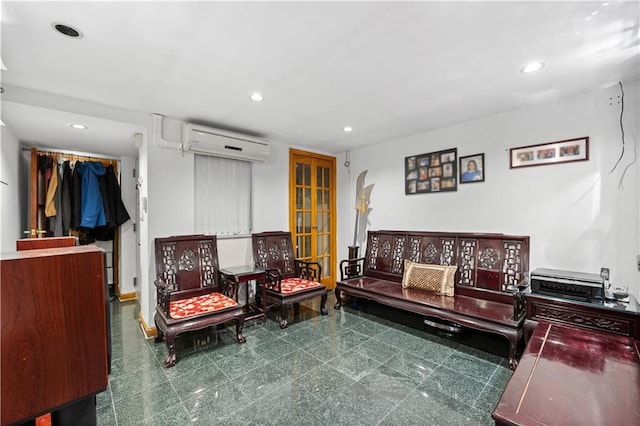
x,y
388,69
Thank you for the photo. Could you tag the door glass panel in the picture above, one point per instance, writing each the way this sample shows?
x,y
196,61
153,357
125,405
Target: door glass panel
x,y
325,222
307,247
298,198
307,174
307,198
299,243
307,222
319,199
326,177
326,243
320,224
298,223
299,173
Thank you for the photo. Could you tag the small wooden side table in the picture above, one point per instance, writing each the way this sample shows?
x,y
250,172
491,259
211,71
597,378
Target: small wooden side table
x,y
244,274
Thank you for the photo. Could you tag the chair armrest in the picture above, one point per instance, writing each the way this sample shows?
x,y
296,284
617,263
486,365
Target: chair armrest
x,y
519,302
351,268
228,287
273,279
311,271
163,295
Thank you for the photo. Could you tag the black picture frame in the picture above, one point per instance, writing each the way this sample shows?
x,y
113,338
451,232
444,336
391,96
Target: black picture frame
x,y
473,174
565,151
431,172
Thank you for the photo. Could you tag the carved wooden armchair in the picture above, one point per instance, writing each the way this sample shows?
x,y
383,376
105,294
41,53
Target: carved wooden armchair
x,y
288,280
189,290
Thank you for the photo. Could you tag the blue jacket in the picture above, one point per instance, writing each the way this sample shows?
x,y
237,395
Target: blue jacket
x,y
91,206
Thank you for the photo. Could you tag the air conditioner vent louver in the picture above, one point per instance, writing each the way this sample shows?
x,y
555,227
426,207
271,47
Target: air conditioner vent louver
x,y
220,143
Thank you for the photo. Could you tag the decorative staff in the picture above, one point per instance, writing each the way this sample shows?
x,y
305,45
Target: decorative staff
x,y
363,195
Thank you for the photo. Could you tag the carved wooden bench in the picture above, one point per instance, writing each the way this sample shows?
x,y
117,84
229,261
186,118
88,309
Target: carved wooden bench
x,y
190,293
288,280
491,273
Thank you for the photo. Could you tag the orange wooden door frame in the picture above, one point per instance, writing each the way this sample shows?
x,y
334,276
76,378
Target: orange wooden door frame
x,y
312,209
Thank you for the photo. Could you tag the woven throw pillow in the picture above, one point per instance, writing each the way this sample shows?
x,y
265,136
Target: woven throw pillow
x,y
436,278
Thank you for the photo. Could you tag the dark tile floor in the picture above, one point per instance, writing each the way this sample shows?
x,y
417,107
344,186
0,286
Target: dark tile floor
x,y
363,366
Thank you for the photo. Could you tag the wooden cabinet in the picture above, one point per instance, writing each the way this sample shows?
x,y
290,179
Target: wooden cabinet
x,y
611,317
43,243
54,330
572,376
581,365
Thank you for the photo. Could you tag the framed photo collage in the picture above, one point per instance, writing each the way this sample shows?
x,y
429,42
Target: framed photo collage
x,y
431,172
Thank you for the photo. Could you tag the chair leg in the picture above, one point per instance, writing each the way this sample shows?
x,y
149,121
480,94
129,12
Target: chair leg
x,y
170,360
513,352
323,304
338,304
284,321
239,326
159,333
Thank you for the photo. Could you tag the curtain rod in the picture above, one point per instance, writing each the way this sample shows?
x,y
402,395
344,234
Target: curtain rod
x,y
77,153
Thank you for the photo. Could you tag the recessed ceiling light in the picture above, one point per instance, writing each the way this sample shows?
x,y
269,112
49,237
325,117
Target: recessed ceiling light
x,y
78,126
532,67
348,129
257,97
67,30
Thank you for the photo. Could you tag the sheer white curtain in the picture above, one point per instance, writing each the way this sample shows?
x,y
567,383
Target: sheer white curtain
x,y
223,196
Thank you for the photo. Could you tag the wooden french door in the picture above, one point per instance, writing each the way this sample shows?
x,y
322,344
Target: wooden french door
x,y
312,210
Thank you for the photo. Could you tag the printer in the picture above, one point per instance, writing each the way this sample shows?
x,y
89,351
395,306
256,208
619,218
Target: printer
x,y
580,286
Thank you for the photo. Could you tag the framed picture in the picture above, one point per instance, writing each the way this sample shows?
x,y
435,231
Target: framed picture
x,y
431,172
565,151
472,168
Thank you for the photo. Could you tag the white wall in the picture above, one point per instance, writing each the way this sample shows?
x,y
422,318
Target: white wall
x,y
11,207
578,216
168,179
127,235
144,293
168,187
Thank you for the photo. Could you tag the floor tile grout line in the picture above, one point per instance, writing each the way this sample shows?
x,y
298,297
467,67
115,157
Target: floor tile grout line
x,y
325,330
113,405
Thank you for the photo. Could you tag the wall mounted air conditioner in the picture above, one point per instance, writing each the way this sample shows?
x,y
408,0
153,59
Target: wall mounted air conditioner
x,y
209,141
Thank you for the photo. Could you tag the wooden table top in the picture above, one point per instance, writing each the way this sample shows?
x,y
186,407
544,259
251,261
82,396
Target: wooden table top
x,y
572,376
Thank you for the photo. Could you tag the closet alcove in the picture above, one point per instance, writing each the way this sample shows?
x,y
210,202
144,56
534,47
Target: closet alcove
x,y
41,224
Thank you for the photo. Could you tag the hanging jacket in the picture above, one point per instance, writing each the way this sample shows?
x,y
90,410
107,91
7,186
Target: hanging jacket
x,y
66,195
50,204
115,210
45,163
55,222
92,208
76,196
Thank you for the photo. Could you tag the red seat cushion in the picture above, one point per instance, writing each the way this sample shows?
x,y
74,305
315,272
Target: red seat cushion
x,y
199,305
292,285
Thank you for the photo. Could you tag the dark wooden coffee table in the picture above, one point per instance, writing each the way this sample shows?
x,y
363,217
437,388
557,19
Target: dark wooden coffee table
x,y
569,375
